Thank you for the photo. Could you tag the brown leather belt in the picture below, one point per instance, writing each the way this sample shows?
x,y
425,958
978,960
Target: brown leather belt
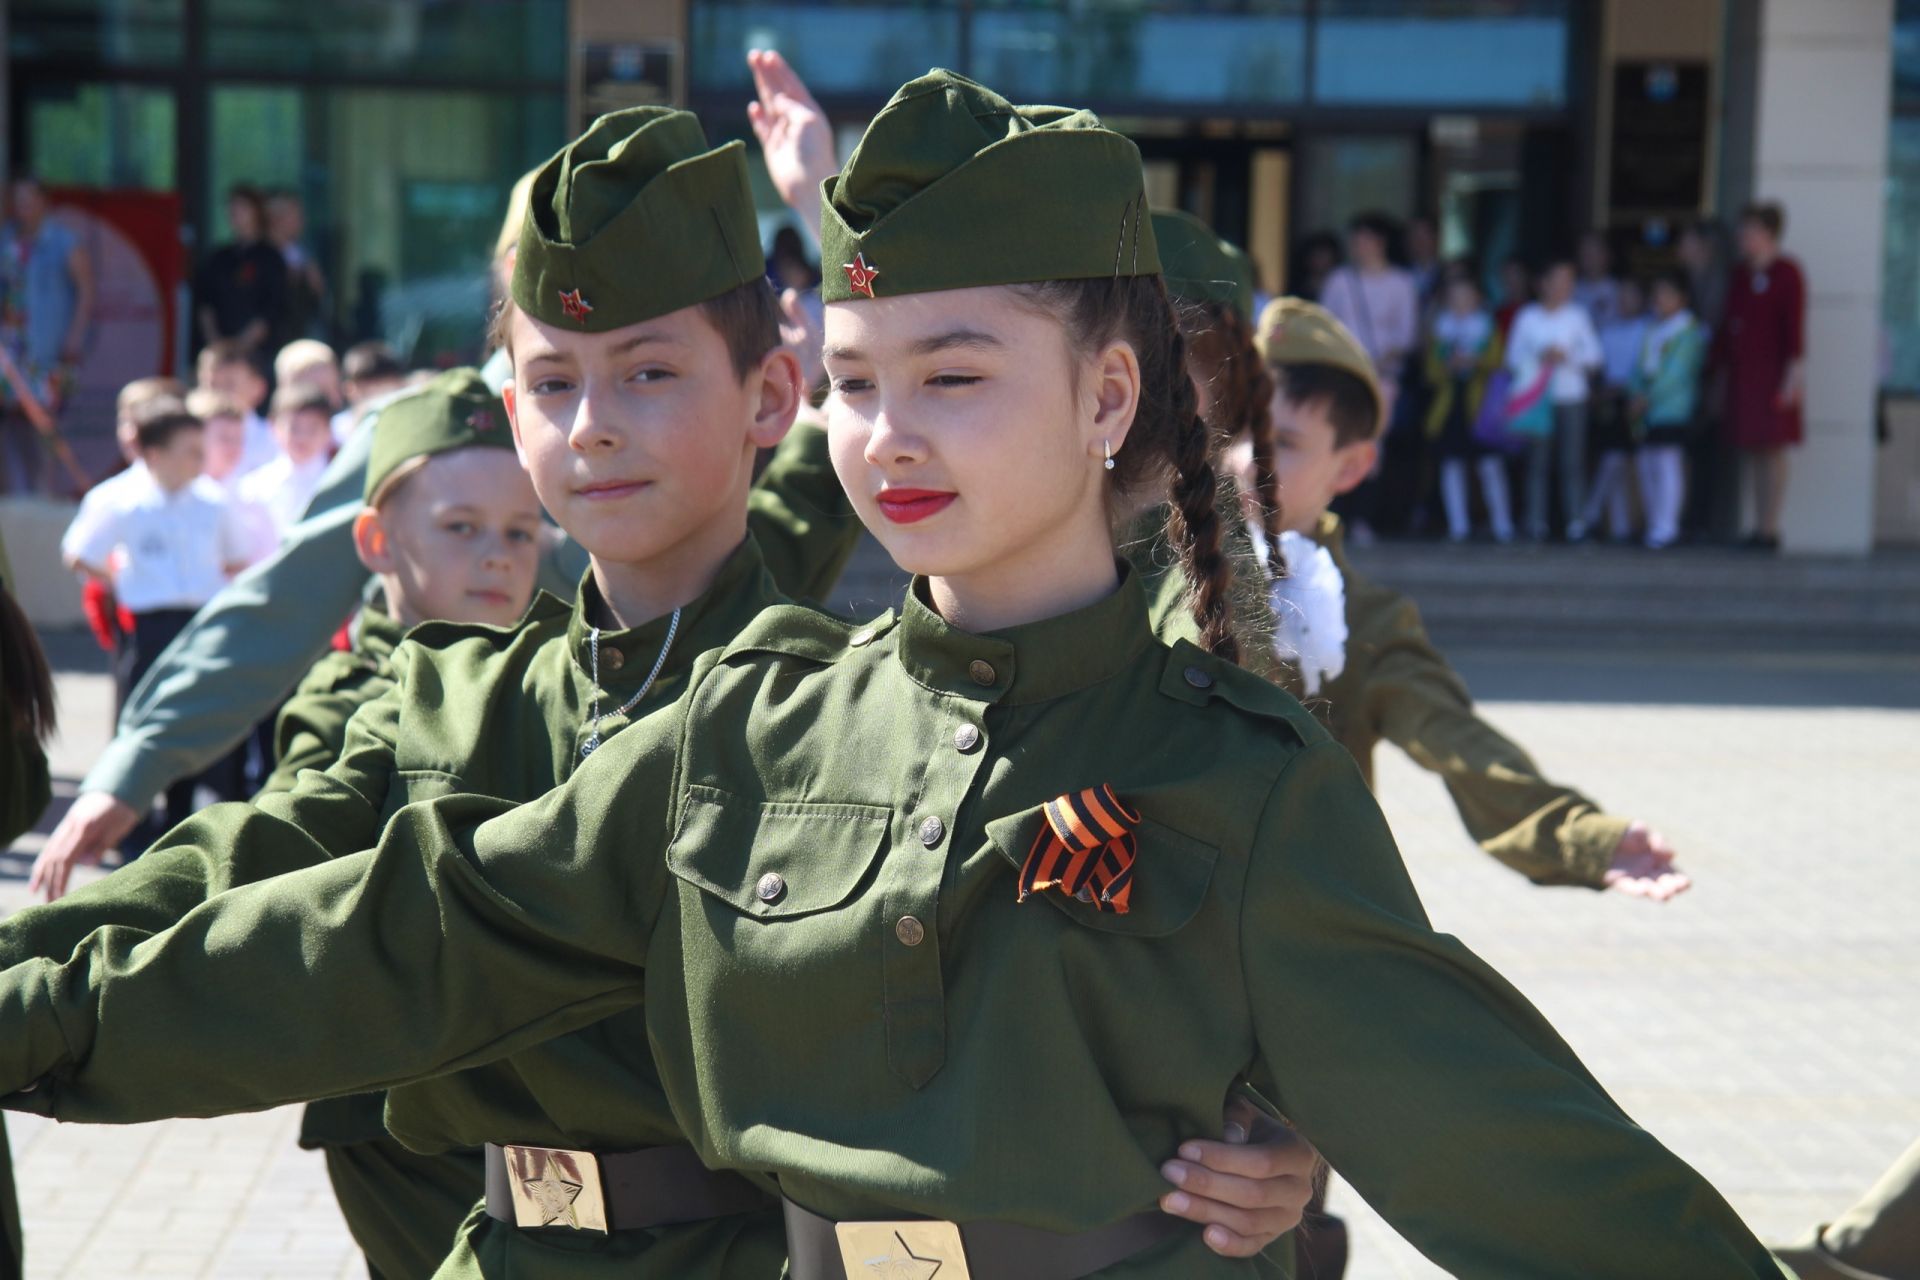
x,y
612,1191
821,1249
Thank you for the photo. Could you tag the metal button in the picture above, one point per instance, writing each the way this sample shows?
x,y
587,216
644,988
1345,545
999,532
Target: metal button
x,y
932,831
982,672
612,659
910,931
1199,679
966,737
770,888
864,636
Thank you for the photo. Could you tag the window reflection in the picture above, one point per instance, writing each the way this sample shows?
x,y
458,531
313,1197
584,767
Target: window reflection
x,y
109,32
867,49
1480,52
519,41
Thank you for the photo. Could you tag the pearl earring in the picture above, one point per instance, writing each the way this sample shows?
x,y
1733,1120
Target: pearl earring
x,y
1107,445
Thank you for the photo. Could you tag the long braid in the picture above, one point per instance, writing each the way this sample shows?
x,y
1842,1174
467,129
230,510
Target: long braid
x,y
1195,519
1221,347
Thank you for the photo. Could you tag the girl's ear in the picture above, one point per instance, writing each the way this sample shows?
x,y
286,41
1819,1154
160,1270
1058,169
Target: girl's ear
x,y
371,541
780,390
513,424
1116,397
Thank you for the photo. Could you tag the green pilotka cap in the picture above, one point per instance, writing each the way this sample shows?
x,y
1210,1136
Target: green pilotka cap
x,y
952,187
1295,331
1200,266
454,410
635,218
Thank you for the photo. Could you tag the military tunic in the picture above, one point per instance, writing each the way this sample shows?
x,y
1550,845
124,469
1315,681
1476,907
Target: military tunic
x,y
312,726
461,693
807,867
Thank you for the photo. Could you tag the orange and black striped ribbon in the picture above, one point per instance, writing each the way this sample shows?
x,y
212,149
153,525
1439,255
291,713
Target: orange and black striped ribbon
x,y
1085,850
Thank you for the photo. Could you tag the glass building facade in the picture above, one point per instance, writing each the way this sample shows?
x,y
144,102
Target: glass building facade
x,y
1900,282
402,124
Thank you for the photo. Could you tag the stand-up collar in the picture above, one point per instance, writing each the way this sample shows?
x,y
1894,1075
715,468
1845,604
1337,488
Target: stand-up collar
x,y
740,591
1030,663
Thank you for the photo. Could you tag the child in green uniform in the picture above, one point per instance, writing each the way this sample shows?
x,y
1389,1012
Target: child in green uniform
x,y
26,787
1363,660
638,402
910,902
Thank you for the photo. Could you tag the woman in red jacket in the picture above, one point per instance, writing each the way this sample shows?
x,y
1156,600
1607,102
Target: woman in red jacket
x,y
1760,345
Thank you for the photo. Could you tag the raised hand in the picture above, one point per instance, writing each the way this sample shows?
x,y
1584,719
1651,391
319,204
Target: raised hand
x,y
793,133
1643,866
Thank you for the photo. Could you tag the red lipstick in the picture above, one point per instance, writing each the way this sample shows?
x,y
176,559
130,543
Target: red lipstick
x,y
908,506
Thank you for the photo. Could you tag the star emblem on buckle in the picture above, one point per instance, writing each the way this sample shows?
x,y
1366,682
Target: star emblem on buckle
x,y
860,276
555,1196
902,1263
575,306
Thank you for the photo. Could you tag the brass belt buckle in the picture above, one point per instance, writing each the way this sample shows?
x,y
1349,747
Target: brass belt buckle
x,y
552,1187
902,1251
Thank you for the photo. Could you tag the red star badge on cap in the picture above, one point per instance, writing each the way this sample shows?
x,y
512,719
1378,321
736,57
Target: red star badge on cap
x,y
575,306
860,276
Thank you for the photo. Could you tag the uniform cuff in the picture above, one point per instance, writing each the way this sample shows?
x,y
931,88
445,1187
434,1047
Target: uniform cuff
x,y
1588,844
125,770
33,1044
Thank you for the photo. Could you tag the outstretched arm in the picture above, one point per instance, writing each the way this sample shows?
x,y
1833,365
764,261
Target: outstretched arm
x,y
1431,1084
473,930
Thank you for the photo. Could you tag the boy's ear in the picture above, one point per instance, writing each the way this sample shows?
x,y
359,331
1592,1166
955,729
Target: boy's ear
x,y
779,395
513,424
371,541
1356,464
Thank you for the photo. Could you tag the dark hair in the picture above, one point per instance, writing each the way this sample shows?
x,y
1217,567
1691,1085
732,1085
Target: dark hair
x,y
371,361
159,421
1673,278
747,316
229,351
28,679
1220,346
1375,223
247,193
1342,395
1168,434
1766,214
294,398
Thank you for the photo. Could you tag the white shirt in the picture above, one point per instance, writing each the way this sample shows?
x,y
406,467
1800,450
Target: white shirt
x,y
260,448
283,488
1536,330
99,502
165,550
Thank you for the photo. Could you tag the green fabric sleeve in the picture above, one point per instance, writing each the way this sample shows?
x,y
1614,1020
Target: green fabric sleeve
x,y
312,728
474,929
801,517
12,1251
220,848
1549,833
1431,1084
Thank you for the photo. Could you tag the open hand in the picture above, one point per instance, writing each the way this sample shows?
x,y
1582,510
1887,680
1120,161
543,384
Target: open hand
x,y
794,136
1643,867
1250,1189
96,823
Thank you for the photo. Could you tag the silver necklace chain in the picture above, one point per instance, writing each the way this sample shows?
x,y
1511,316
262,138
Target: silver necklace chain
x,y
593,711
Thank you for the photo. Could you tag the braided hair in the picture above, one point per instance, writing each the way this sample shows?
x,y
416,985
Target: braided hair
x,y
1169,441
1221,349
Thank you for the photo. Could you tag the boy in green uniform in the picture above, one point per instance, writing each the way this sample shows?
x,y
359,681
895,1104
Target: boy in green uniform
x,y
1363,661
638,402
820,866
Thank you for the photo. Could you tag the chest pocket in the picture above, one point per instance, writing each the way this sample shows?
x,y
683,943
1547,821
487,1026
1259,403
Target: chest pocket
x,y
1171,876
775,860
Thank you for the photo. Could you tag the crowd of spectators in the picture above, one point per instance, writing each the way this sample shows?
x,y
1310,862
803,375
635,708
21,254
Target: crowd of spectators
x,y
1623,404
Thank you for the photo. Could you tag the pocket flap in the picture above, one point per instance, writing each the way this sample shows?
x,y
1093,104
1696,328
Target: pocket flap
x,y
1170,876
775,860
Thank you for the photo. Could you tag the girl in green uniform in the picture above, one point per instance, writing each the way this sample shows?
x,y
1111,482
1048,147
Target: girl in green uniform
x,y
954,922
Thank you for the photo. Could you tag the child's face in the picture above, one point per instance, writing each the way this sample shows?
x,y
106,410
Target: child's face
x,y
1667,300
178,462
226,440
640,441
320,377
1556,287
1631,301
459,541
1313,468
304,435
239,381
1462,298
965,431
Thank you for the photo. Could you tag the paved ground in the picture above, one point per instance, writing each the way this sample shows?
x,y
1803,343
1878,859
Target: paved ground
x,y
1766,1026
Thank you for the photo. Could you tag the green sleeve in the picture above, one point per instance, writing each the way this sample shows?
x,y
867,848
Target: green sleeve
x,y
1430,1084
1548,833
325,815
473,929
245,649
311,731
12,1254
801,517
